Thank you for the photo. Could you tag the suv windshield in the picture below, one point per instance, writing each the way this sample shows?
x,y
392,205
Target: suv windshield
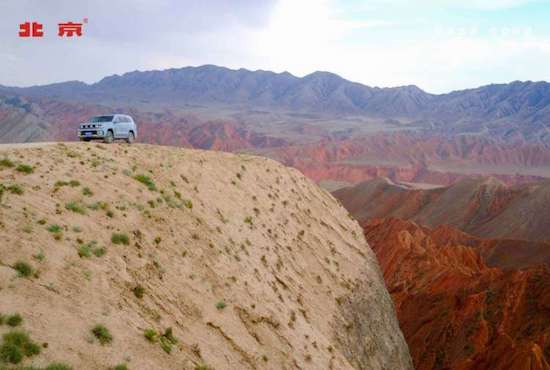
x,y
101,119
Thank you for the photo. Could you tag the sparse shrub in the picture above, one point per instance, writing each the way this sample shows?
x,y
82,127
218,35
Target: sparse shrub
x,y
165,344
15,189
169,334
76,207
6,163
248,220
17,345
110,214
84,251
24,168
150,335
87,275
57,366
54,228
102,334
117,238
158,239
167,340
14,320
23,269
59,184
98,205
56,231
42,221
98,252
147,181
39,256
10,353
188,203
221,305
87,192
74,183
139,291
203,367
120,367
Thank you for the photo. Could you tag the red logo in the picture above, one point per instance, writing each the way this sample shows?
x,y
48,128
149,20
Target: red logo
x,y
29,29
67,29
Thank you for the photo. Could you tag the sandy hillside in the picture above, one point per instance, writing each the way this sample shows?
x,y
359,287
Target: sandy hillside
x,y
224,261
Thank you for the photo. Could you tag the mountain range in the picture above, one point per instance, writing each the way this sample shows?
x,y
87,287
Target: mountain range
x,y
335,131
509,111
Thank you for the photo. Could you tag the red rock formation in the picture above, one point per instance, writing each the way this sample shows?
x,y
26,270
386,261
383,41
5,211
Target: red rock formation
x,y
413,157
482,206
227,136
457,312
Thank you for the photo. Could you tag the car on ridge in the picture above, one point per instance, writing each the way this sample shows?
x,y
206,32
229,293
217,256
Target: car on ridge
x,y
109,128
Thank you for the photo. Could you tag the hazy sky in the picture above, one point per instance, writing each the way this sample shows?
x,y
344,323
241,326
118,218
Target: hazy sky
x,y
439,45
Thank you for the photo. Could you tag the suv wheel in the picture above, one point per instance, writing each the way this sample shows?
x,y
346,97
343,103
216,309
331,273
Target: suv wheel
x,y
131,137
109,138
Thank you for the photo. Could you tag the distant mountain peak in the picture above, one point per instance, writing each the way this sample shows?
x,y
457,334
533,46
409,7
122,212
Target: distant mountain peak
x,y
322,74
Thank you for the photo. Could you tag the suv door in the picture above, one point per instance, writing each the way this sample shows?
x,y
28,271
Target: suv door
x,y
127,126
117,125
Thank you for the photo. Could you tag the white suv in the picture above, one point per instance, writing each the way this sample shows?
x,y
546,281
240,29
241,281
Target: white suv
x,y
108,128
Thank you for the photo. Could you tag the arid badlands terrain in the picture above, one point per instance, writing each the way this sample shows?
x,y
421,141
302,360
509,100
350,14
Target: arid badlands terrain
x,y
148,257
463,301
250,264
